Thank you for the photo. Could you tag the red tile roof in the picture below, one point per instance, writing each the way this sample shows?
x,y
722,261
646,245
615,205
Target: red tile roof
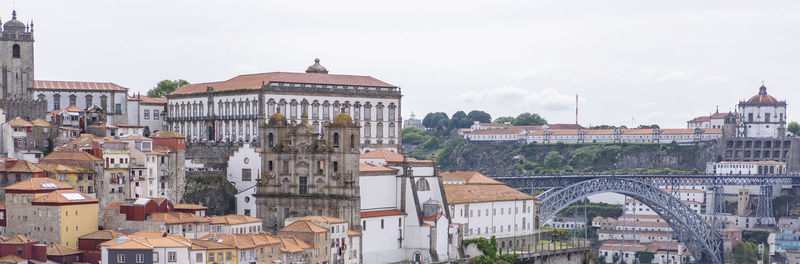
x,y
381,213
366,167
503,131
469,177
147,99
37,184
71,85
700,119
254,81
762,99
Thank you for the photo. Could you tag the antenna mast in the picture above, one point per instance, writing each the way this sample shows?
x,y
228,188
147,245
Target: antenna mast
x,y
576,108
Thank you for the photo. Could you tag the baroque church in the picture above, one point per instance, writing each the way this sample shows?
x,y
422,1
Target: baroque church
x,y
306,172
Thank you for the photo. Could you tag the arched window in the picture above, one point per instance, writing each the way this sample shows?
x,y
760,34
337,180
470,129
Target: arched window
x,y
56,101
352,142
15,51
335,140
422,185
271,139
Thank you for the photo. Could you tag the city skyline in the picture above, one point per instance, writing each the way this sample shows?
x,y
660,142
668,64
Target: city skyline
x,y
631,63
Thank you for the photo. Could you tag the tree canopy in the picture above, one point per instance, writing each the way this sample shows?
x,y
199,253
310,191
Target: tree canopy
x,y
165,87
794,128
436,121
480,116
528,119
745,252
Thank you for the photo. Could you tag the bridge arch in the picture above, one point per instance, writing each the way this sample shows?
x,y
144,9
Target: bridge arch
x,y
703,242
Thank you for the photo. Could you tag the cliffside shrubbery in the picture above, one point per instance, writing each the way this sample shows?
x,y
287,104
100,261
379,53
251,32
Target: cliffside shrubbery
x,y
212,191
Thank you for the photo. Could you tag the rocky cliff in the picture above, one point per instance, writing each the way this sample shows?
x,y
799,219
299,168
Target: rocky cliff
x,y
210,189
511,158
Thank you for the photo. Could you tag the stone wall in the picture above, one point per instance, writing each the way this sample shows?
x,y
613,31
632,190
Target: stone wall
x,y
27,109
210,189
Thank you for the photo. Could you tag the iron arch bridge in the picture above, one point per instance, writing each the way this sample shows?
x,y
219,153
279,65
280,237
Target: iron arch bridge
x,y
703,241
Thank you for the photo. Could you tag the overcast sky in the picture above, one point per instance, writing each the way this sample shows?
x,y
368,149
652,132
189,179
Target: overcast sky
x,y
632,62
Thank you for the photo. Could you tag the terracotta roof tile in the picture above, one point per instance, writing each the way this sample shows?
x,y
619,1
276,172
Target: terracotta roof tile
x,y
38,184
381,213
59,250
11,258
103,235
25,167
72,85
147,99
206,244
254,81
233,219
477,193
18,240
322,219
167,134
19,122
503,131
64,197
40,123
113,206
177,217
366,167
700,119
303,226
467,177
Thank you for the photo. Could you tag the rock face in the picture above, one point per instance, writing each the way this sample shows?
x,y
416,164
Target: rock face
x,y
210,189
511,158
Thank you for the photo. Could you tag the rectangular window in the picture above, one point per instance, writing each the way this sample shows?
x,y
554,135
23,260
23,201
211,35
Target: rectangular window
x,y
303,185
335,166
228,256
155,257
391,114
120,258
367,113
72,100
146,114
293,112
155,114
326,112
139,258
245,174
357,113
172,256
198,257
379,113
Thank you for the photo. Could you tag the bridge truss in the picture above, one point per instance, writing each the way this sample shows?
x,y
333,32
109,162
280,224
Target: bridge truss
x,y
703,240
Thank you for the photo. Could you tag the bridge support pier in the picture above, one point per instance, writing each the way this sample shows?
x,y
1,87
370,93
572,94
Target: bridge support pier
x,y
764,210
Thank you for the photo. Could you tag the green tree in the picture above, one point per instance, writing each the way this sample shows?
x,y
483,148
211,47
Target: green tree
x,y
480,116
413,135
436,121
794,128
528,119
745,252
503,119
458,120
552,160
165,87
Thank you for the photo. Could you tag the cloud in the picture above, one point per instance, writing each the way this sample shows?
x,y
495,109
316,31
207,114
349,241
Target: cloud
x,y
548,98
674,76
649,104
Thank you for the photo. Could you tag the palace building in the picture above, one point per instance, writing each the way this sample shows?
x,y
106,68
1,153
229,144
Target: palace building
x,y
305,172
762,116
229,110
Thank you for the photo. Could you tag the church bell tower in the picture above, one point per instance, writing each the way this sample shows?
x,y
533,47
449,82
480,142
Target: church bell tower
x,y
16,60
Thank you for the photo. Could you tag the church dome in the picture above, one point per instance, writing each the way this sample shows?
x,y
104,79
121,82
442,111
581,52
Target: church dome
x,y
342,119
14,25
316,68
762,97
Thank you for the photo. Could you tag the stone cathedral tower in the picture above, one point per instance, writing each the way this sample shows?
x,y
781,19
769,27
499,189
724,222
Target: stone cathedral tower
x,y
309,173
16,59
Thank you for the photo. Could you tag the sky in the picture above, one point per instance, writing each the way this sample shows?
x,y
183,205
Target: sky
x,y
631,62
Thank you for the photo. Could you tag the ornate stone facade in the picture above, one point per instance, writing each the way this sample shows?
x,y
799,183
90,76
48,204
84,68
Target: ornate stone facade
x,y
305,172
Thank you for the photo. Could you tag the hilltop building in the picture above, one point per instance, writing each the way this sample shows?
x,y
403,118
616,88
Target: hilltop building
x,y
232,110
762,116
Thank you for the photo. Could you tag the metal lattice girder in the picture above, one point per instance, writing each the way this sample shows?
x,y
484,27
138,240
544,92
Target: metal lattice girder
x,y
529,182
764,209
703,241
